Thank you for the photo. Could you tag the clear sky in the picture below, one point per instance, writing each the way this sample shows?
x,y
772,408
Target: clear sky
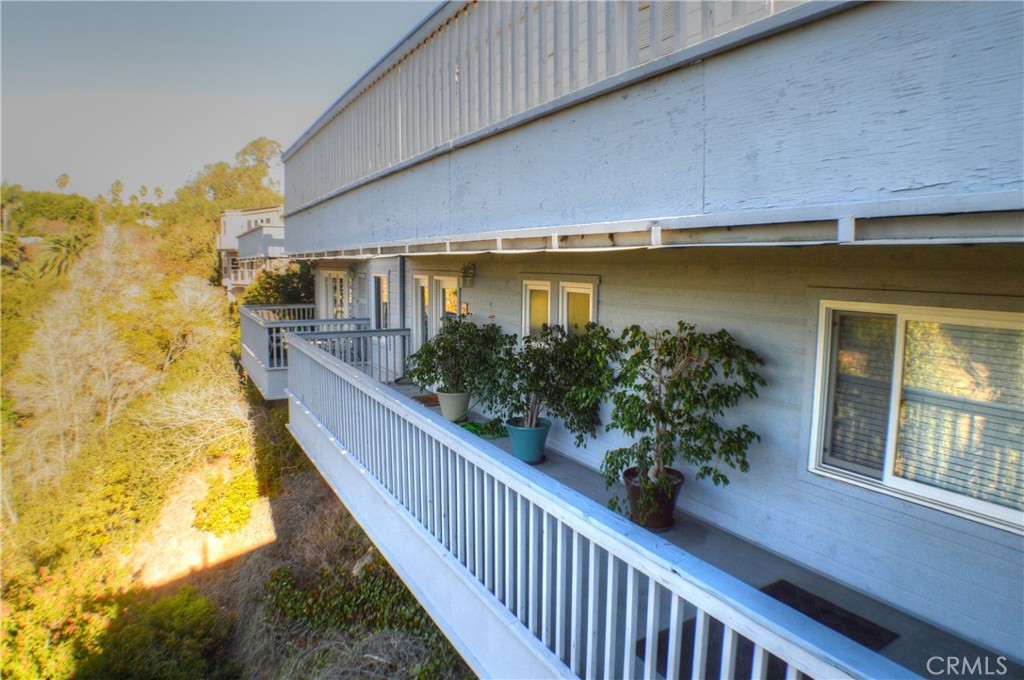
x,y
150,92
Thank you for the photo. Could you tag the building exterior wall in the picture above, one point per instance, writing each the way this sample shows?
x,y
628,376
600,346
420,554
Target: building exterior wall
x,y
262,242
961,575
883,102
234,223
473,65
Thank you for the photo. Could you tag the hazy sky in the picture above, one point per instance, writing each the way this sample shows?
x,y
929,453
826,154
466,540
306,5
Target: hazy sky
x,y
150,92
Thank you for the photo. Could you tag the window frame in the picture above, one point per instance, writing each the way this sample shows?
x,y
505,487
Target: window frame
x,y
381,305
566,287
890,484
557,307
331,281
528,286
435,283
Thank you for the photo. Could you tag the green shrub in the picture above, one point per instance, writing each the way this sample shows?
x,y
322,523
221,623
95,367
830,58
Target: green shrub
x,y
180,636
228,504
294,285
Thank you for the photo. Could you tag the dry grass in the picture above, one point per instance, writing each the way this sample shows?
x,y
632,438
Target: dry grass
x,y
387,654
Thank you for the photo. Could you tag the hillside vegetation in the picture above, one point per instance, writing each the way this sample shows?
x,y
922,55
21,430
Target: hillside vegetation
x,y
158,519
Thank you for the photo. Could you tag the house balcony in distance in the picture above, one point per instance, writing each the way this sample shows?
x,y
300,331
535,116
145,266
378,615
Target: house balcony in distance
x,y
525,575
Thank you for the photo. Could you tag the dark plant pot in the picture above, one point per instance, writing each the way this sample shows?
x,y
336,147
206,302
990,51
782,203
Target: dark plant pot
x,y
454,405
660,516
528,442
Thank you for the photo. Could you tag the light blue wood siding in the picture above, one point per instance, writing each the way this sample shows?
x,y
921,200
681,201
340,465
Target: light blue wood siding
x,y
885,101
963,576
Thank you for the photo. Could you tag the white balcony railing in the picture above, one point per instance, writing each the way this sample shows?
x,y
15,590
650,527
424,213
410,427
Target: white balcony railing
x,y
527,577
264,349
239,277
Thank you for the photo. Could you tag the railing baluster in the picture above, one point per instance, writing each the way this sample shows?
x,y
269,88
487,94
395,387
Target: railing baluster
x,y
700,645
460,521
611,620
675,637
632,614
651,643
729,641
593,605
547,587
522,565
505,565
488,533
759,666
576,617
533,569
558,591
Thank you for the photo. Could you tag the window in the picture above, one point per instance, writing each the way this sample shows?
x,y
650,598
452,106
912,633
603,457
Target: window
x,y
336,292
574,307
924,403
436,297
380,301
447,296
577,305
536,306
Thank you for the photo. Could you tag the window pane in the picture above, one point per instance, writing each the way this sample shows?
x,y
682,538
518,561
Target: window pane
x,y
577,312
451,301
538,309
424,299
381,293
961,418
862,362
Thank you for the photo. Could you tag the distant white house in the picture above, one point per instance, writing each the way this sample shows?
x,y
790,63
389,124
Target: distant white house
x,y
249,241
838,184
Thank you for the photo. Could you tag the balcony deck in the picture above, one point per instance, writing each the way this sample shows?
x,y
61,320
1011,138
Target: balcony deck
x,y
555,584
917,641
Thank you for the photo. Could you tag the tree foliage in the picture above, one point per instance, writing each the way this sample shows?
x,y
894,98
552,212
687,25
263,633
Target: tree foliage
x,y
292,285
461,357
566,375
29,208
672,390
188,223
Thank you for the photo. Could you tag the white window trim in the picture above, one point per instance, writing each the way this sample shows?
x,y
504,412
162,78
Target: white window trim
x,y
435,282
566,287
418,282
975,509
529,285
562,283
375,320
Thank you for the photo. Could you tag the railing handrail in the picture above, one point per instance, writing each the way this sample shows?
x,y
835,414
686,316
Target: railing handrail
x,y
290,305
369,332
779,629
250,312
284,323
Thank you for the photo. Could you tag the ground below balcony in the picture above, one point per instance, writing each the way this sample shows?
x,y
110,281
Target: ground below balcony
x,y
895,635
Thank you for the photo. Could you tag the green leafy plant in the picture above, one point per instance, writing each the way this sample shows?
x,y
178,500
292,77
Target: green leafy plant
x,y
672,389
459,358
492,429
566,375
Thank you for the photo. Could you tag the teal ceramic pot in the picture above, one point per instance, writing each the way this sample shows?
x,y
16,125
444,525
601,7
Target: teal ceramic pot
x,y
528,442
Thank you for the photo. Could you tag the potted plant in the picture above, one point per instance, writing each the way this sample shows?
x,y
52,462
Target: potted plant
x,y
457,362
565,375
672,390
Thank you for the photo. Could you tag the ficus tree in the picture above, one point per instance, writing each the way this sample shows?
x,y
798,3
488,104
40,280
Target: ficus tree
x,y
566,375
672,390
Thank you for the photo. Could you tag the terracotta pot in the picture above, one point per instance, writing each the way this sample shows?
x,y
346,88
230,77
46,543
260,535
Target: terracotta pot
x,y
660,519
